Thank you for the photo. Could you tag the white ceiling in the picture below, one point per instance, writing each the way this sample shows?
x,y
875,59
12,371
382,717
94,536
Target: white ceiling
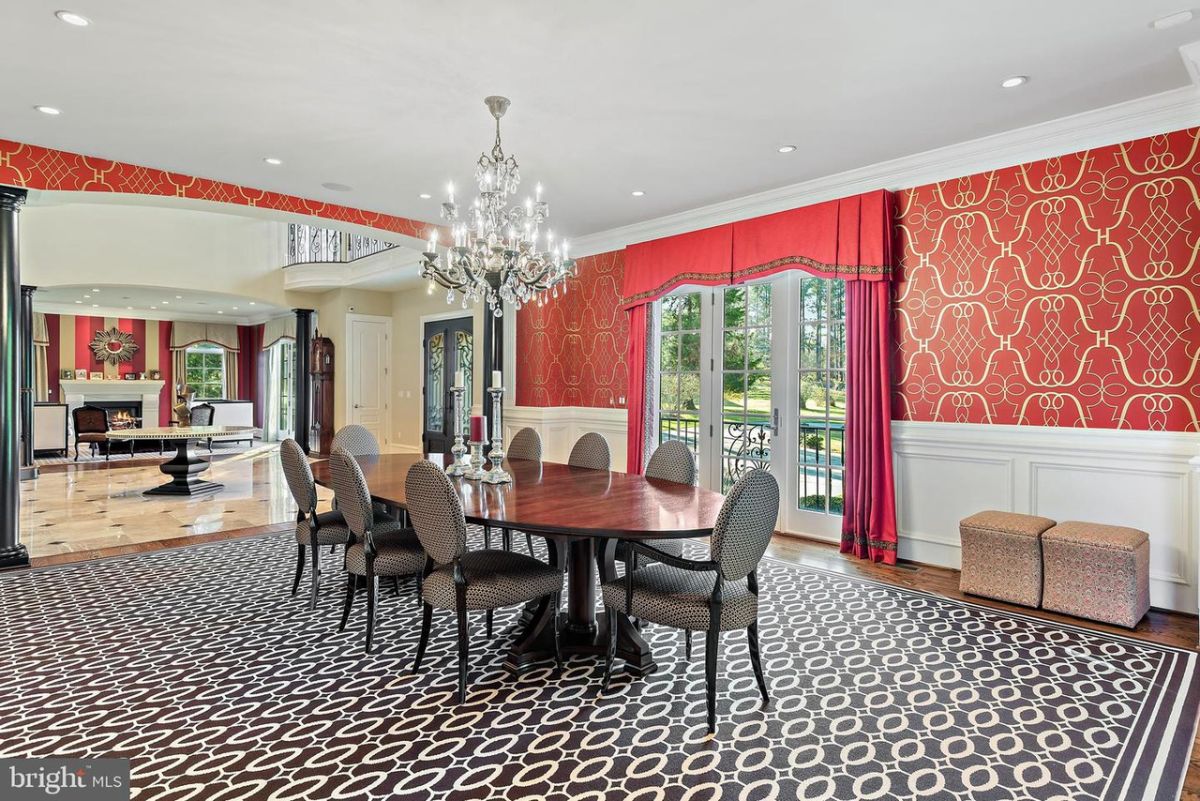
x,y
103,300
684,99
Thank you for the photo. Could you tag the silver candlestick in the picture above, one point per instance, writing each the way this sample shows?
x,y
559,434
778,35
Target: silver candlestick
x,y
476,472
497,475
458,463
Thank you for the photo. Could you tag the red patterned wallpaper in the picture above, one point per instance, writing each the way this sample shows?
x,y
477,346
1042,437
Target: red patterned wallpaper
x,y
1064,292
36,167
571,352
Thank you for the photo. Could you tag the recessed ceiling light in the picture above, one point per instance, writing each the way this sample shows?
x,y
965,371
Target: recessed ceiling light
x,y
274,162
336,187
1171,20
787,149
87,297
129,308
235,308
425,196
51,110
79,301
220,312
252,303
179,297
95,290
95,305
71,18
166,303
637,193
1014,81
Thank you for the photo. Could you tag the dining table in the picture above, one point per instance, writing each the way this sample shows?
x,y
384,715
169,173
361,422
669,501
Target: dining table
x,y
581,514
185,468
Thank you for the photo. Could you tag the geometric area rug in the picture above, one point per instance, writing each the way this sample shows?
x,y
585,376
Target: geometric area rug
x,y
198,666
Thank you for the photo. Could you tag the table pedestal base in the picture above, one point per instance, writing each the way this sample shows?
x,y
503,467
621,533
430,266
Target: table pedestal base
x,y
184,471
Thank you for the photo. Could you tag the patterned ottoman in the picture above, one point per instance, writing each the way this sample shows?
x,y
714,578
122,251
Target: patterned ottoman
x,y
1002,556
1098,572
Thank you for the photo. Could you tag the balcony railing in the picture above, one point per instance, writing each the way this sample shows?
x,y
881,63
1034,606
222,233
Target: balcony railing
x,y
745,445
311,244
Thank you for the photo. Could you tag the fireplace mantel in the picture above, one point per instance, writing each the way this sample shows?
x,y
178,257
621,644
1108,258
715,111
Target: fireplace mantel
x,y
76,393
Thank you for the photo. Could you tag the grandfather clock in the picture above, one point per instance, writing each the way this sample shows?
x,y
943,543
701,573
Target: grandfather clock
x,y
322,380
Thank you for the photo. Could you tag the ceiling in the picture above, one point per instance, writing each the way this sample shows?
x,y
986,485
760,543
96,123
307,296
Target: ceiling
x,y
686,100
102,300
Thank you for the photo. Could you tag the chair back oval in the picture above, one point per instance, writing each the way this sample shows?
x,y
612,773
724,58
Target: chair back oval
x,y
745,524
436,512
351,494
299,476
355,440
90,420
672,461
527,444
202,414
591,451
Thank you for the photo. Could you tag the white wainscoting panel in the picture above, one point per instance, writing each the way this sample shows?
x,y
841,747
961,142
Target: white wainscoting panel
x,y
1145,479
561,426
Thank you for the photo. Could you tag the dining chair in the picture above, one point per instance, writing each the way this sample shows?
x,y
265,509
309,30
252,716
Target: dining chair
x,y
355,440
713,595
591,451
379,548
202,415
459,580
91,427
526,444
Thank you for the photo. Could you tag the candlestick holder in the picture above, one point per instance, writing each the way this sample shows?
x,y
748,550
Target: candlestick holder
x,y
497,475
475,472
459,464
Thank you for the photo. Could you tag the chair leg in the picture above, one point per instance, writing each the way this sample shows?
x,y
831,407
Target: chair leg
x,y
490,613
558,661
506,539
687,645
395,585
463,650
372,597
487,537
529,543
756,661
351,584
77,450
316,573
711,637
299,568
426,620
611,615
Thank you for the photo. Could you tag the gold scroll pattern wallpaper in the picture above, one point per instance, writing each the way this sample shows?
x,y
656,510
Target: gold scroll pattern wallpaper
x,y
1063,292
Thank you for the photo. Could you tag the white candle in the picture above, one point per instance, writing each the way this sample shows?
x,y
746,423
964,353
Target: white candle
x,y
496,382
459,380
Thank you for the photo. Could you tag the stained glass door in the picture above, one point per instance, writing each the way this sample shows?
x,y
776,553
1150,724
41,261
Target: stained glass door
x,y
449,347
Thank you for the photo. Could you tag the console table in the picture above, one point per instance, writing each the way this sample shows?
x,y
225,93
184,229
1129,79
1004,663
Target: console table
x,y
186,467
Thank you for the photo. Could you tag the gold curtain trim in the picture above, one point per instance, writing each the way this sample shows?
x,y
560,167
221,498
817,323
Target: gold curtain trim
x,y
827,270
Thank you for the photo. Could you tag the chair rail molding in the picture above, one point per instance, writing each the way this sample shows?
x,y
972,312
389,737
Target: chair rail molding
x,y
560,426
1149,480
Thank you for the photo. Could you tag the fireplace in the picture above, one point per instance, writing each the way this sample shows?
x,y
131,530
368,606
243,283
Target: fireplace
x,y
121,413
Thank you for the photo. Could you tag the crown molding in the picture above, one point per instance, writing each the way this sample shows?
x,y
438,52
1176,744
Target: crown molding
x,y
1122,122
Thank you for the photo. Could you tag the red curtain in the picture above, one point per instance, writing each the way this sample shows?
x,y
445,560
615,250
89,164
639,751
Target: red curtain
x,y
652,269
869,516
636,407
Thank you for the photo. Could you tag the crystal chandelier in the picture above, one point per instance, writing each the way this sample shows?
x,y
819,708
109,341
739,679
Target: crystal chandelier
x,y
498,254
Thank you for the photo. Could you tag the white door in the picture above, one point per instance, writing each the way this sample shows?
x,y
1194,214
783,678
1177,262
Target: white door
x,y
368,381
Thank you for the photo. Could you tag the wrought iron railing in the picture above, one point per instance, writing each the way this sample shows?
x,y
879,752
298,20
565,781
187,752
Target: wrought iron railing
x,y
745,444
310,244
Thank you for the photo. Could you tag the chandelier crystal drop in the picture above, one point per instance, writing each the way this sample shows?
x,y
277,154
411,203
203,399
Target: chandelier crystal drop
x,y
498,253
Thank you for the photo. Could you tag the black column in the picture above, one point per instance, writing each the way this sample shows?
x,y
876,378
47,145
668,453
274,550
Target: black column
x,y
303,376
12,552
493,355
28,468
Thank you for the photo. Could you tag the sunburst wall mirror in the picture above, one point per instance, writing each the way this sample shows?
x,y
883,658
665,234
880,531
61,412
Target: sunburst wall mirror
x,y
114,346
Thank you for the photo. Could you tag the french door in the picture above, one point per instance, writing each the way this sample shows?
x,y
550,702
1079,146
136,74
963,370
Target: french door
x,y
753,376
449,347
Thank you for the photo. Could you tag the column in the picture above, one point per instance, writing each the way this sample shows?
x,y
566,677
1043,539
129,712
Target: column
x,y
303,377
12,552
28,468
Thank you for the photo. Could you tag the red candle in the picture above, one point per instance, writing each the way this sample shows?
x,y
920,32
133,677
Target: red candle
x,y
478,428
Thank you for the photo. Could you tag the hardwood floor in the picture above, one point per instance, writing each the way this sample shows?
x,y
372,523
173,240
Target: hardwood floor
x,y
1171,628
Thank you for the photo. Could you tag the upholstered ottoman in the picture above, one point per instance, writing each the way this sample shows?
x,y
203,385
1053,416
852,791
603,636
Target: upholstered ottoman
x,y
1096,571
1002,556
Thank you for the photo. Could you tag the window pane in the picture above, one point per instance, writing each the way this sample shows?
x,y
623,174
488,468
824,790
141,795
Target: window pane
x,y
837,345
758,400
758,346
734,391
668,392
689,392
813,337
734,354
669,353
735,307
193,359
822,401
689,355
813,486
759,302
812,299
672,306
837,306
836,504
690,317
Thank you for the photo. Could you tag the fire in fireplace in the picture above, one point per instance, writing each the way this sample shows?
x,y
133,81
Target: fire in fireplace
x,y
121,414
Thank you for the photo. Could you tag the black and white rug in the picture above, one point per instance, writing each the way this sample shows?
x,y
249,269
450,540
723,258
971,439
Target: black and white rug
x,y
197,665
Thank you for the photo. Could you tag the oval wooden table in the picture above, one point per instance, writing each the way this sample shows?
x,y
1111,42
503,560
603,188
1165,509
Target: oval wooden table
x,y
186,467
588,512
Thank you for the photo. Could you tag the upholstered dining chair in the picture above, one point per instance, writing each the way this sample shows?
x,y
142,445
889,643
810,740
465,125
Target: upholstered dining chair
x,y
591,451
460,580
202,415
312,530
713,595
91,427
355,440
379,548
526,444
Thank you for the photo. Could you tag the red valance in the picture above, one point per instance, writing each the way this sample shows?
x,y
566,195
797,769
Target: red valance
x,y
654,268
850,238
